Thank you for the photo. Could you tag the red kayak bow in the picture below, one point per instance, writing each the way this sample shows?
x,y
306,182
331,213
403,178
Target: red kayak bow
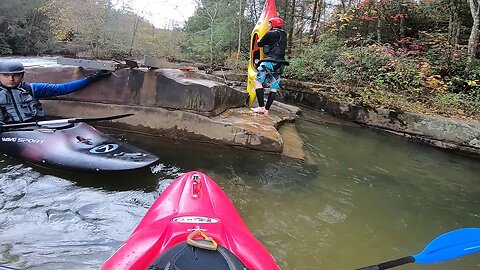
x,y
192,225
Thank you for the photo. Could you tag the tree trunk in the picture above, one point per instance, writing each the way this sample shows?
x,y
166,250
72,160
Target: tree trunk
x,y
401,11
318,28
253,10
313,20
379,28
135,28
454,22
456,37
291,26
240,15
285,11
212,17
301,23
473,40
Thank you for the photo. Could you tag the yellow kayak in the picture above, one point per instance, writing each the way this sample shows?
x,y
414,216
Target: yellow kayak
x,y
269,11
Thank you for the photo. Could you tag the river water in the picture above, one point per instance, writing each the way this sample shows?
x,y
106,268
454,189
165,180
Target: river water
x,y
363,198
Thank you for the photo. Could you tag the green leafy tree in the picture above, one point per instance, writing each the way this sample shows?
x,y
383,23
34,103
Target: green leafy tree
x,y
94,28
23,29
212,33
84,23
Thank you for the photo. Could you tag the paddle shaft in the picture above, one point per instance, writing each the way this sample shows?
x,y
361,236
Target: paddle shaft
x,y
390,264
3,267
63,121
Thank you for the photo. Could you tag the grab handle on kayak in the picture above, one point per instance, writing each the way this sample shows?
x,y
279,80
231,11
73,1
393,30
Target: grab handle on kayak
x,y
196,187
206,243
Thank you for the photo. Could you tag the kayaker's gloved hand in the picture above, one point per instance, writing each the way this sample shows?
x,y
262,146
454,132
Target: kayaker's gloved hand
x,y
99,74
256,63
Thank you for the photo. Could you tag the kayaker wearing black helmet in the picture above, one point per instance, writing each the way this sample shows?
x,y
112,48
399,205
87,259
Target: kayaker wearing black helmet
x,y
19,100
274,43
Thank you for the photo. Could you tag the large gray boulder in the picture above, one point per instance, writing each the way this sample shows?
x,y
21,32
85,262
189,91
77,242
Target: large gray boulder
x,y
163,88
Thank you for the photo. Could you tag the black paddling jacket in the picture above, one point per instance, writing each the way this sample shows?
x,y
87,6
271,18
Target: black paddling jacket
x,y
21,103
18,104
274,43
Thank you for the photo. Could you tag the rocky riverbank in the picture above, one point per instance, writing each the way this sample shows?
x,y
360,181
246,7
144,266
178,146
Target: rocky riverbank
x,y
459,135
193,105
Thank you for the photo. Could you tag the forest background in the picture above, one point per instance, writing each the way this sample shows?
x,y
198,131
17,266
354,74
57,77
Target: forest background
x,y
405,55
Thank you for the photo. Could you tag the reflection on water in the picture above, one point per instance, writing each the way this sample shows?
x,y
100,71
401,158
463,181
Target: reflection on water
x,y
369,198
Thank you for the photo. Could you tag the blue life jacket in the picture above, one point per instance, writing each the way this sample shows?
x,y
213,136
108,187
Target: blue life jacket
x,y
19,104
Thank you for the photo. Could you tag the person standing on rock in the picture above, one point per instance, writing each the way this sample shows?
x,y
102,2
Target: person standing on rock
x,y
19,100
274,44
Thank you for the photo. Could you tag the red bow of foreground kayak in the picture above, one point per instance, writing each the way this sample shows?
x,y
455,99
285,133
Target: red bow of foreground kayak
x,y
192,225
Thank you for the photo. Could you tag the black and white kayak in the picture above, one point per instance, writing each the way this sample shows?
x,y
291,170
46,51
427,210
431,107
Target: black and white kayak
x,y
67,144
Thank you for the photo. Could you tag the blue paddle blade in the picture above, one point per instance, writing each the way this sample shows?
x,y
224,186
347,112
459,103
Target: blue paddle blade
x,y
450,245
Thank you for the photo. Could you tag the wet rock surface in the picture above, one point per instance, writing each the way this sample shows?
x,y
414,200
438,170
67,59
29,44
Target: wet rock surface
x,y
186,105
164,88
234,127
453,134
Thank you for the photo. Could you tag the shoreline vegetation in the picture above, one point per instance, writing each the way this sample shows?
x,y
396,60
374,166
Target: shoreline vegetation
x,y
402,55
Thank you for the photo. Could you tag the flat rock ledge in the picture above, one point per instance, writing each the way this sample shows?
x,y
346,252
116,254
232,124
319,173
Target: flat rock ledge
x,y
183,105
462,136
234,127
